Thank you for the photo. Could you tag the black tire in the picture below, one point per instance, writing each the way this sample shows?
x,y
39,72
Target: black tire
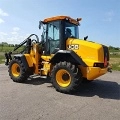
x,y
17,71
72,75
85,80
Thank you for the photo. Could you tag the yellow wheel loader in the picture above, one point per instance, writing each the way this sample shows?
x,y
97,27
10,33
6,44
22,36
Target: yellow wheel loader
x,y
59,55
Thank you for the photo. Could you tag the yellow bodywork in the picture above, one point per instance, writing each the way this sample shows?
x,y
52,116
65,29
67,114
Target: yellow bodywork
x,y
15,69
60,80
34,60
90,53
92,73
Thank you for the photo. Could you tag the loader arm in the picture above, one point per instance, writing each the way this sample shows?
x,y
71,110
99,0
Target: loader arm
x,y
27,48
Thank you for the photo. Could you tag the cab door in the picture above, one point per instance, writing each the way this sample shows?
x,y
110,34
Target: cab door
x,y
53,37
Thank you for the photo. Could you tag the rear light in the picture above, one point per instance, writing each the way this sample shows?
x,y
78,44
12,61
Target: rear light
x,y
101,65
106,52
105,62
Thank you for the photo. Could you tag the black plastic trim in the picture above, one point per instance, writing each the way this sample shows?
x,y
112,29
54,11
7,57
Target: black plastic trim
x,y
106,52
69,56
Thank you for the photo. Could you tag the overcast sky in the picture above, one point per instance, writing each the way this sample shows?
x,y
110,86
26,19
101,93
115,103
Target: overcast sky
x,y
100,18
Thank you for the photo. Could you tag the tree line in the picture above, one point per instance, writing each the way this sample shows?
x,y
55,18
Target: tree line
x,y
5,44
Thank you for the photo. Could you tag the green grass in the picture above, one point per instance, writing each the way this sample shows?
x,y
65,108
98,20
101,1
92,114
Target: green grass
x,y
7,49
114,57
115,62
116,66
113,50
2,59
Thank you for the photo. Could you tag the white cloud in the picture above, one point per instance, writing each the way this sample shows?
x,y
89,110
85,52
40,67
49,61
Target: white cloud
x,y
1,20
109,16
13,37
15,29
2,13
16,38
3,33
14,33
110,13
108,19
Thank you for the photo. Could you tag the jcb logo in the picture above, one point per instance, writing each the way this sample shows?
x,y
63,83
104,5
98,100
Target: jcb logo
x,y
73,47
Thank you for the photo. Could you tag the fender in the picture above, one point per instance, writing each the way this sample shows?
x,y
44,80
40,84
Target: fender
x,y
25,60
67,55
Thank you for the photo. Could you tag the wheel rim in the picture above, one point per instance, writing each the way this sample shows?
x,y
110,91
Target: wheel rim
x,y
15,70
63,78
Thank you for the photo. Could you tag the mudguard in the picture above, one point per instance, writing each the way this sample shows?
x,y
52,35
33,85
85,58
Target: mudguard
x,y
67,55
23,59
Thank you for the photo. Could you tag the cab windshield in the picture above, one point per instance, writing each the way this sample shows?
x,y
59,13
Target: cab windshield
x,y
71,30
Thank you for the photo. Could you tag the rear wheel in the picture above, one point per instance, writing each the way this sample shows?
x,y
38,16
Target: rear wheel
x,y
17,71
66,77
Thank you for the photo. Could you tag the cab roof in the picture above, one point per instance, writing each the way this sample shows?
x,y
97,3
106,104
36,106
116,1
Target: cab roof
x,y
61,18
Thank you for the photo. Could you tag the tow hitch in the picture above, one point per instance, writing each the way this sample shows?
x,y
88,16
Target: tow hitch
x,y
109,69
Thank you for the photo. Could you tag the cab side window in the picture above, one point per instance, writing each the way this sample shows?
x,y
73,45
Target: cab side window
x,y
53,36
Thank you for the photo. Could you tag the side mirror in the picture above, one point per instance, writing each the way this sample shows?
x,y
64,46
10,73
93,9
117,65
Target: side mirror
x,y
85,38
40,24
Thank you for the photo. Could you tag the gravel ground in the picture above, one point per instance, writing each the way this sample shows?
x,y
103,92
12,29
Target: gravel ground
x,y
37,100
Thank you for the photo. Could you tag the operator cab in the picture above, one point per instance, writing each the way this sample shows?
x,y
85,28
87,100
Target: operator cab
x,y
56,31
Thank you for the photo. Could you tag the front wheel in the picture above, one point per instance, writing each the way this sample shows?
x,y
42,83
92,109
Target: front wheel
x,y
66,77
17,71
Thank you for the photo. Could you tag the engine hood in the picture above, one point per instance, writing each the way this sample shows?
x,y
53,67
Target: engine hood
x,y
87,50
